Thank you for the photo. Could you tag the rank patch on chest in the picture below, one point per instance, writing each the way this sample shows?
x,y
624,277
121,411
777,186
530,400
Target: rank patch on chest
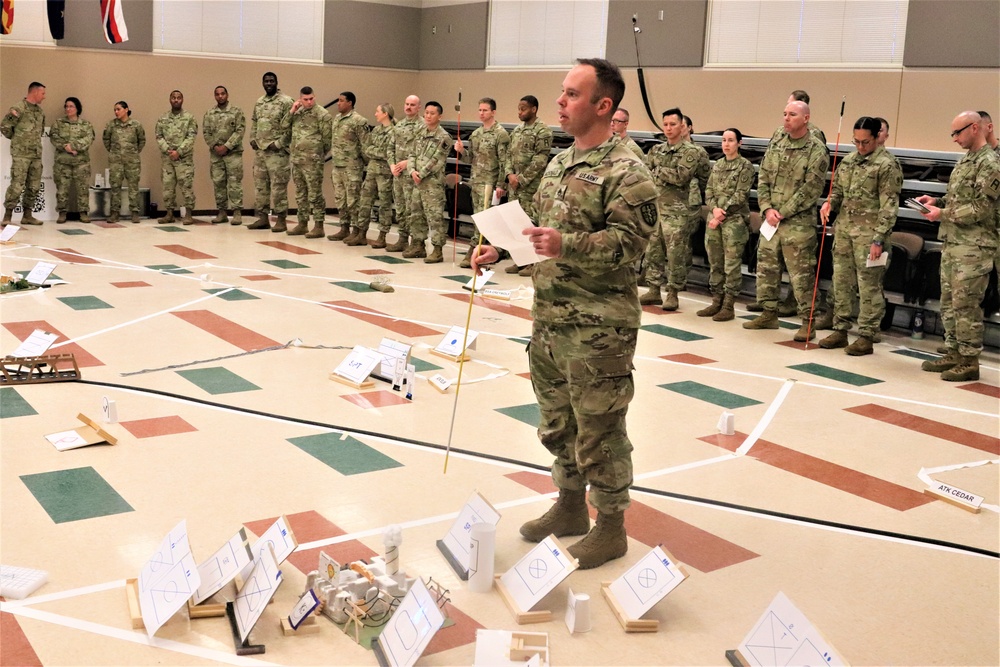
x,y
590,178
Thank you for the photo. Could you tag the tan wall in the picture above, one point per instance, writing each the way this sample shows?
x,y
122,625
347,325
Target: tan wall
x,y
919,103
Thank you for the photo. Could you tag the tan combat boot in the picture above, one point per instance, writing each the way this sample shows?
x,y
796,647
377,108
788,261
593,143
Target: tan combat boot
x,y
965,370
345,231
261,222
415,249
8,216
113,218
651,297
281,224
605,541
358,237
512,269
237,218
167,219
316,232
379,242
823,321
187,219
436,257
29,219
837,339
805,332
526,271
220,217
788,307
713,308
945,363
670,300
766,320
860,347
727,311
568,516
84,218
135,219
466,262
943,349
299,229
400,245
61,219
755,307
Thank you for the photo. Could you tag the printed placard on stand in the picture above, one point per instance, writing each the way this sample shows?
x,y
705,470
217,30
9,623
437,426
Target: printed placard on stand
x,y
784,636
503,648
392,351
450,346
481,281
8,233
456,545
279,537
493,293
533,577
300,620
641,587
410,629
166,581
88,434
969,502
35,345
256,592
218,570
355,369
40,273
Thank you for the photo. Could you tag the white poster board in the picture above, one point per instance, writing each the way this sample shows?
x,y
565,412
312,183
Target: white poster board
x,y
222,567
358,365
259,587
8,232
411,627
537,573
451,344
279,538
391,350
783,636
36,344
168,579
40,273
647,582
476,510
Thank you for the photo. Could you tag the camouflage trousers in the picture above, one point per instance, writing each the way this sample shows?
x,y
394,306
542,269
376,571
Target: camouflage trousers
x,y
482,197
178,173
427,211
378,182
724,246
124,169
668,251
582,377
25,179
796,242
526,196
347,192
66,174
271,171
852,276
227,180
309,197
965,273
402,194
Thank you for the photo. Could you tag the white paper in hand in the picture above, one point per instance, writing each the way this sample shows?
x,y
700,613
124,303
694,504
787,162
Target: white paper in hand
x,y
502,226
882,259
767,231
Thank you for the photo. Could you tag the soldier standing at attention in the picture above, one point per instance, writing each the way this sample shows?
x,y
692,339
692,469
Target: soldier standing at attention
x,y
175,134
530,146
269,139
72,136
674,166
619,125
427,163
727,194
596,209
968,229
488,147
224,126
791,179
405,133
311,139
696,196
350,130
380,149
24,124
124,140
866,195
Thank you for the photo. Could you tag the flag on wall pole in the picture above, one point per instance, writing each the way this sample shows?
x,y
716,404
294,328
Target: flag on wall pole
x,y
6,17
113,20
56,10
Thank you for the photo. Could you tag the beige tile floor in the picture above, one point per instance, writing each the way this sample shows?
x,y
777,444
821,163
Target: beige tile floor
x,y
825,507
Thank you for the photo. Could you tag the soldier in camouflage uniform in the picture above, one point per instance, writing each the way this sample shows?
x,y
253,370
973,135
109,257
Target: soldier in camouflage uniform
x,y
71,137
596,209
124,140
530,147
968,229
175,134
488,147
380,149
619,125
24,124
989,134
727,194
350,131
866,195
696,197
427,163
311,140
269,137
674,166
405,132
791,179
223,127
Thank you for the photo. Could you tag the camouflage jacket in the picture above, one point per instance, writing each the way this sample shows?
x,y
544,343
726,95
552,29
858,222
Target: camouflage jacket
x,y
24,125
224,127
530,146
813,130
176,131
696,193
792,176
267,129
603,202
311,135
866,193
350,131
430,153
969,213
487,151
406,132
674,167
380,148
729,187
124,139
632,146
79,134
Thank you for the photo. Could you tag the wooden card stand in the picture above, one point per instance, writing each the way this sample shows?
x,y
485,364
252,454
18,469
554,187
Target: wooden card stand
x,y
306,627
93,431
132,595
736,658
206,609
32,370
521,617
242,648
629,624
526,645
367,384
451,357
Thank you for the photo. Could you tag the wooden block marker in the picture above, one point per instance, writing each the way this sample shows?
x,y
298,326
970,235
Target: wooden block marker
x,y
957,497
132,595
521,617
306,627
629,624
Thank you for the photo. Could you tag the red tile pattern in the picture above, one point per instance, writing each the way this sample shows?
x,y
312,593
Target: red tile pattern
x,y
380,319
494,304
155,426
184,251
377,399
132,283
227,330
22,330
262,276
15,649
986,443
288,247
72,256
311,526
692,359
980,388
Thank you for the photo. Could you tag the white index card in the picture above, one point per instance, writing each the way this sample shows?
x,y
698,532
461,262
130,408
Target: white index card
x,y
8,233
411,627
167,579
881,261
783,636
36,344
359,364
222,567
537,573
481,281
476,510
767,231
305,606
451,344
391,351
40,273
503,226
66,440
647,582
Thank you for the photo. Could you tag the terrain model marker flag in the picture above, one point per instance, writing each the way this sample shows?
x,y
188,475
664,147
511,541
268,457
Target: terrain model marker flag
x,y
6,17
113,20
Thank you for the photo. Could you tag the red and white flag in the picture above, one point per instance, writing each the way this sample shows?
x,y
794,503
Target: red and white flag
x,y
113,20
6,17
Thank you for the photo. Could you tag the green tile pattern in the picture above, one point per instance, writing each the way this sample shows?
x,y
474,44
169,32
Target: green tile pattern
x,y
836,374
74,232
346,455
520,340
464,279
703,392
218,380
671,332
75,494
24,274
422,366
84,302
353,285
528,413
12,404
167,268
170,228
231,295
284,264
388,259
916,354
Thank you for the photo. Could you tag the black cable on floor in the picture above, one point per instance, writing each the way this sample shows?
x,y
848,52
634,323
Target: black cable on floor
x,y
535,466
